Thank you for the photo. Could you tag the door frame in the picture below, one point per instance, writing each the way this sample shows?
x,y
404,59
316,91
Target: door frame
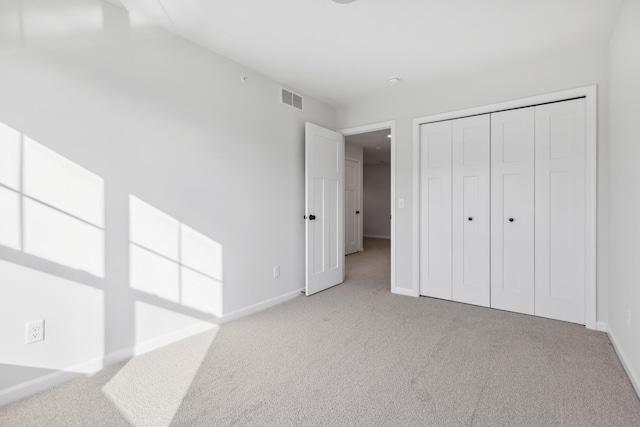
x,y
360,191
590,94
391,125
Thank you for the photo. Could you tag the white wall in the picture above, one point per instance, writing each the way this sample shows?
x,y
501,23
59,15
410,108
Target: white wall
x,y
170,123
353,151
624,139
482,86
377,200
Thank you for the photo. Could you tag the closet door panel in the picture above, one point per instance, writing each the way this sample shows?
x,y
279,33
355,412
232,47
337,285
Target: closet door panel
x,y
560,211
471,210
512,210
435,210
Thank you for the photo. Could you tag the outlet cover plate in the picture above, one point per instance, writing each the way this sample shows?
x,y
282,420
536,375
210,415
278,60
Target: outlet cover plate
x,y
35,331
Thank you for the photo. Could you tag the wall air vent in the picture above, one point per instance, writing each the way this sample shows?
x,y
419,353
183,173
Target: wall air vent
x,y
292,99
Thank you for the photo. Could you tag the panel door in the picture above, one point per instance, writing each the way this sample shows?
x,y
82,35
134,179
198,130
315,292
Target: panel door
x,y
560,211
471,210
352,225
435,210
324,198
512,210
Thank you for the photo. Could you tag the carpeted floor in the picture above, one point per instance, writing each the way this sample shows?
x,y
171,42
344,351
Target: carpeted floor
x,y
357,355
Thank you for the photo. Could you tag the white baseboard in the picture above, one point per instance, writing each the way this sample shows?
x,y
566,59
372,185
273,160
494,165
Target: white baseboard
x,y
633,376
373,236
601,326
36,385
89,367
155,343
405,292
261,306
45,382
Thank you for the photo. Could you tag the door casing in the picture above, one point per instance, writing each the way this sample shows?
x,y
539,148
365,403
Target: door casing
x,y
391,125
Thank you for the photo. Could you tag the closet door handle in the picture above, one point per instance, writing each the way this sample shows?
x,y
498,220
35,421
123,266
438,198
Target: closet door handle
x,y
511,219
470,218
312,217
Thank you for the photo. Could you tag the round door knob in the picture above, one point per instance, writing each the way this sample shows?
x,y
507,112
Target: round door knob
x,y
357,212
312,217
511,220
470,218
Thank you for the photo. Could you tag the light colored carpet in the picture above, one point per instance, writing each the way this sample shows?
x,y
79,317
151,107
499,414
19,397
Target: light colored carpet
x,y
357,355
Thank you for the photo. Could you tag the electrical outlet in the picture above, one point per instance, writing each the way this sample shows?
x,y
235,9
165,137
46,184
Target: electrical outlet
x,y
276,271
629,319
35,331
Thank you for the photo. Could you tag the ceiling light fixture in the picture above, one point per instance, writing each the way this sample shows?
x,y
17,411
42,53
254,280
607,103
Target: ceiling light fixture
x,y
343,1
393,80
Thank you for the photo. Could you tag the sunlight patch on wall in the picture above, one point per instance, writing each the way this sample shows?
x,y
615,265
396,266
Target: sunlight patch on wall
x,y
50,207
172,261
9,218
56,181
154,274
153,229
9,157
60,238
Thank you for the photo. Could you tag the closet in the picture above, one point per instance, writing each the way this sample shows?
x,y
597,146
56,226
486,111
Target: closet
x,y
502,210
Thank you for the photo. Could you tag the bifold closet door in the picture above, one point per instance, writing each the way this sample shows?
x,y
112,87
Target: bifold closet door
x,y
471,210
435,210
512,210
560,211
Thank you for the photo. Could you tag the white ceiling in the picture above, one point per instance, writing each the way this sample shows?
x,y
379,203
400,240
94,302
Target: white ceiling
x,y
376,146
341,52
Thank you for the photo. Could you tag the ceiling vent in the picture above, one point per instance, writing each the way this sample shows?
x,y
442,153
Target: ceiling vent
x,y
292,99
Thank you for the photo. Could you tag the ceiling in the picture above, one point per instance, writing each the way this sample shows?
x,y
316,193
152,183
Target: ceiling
x,y
341,52
376,146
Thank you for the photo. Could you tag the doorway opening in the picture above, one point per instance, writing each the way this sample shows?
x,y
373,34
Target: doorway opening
x,y
369,197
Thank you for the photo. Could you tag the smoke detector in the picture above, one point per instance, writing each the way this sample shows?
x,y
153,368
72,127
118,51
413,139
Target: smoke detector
x,y
393,80
343,1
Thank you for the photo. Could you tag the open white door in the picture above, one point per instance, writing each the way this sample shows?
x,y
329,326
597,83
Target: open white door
x,y
324,199
352,224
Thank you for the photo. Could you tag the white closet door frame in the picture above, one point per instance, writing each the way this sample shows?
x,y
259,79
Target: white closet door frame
x,y
590,95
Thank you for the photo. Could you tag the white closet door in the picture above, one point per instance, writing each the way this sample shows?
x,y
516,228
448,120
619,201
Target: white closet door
x,y
471,210
512,210
560,211
352,223
435,210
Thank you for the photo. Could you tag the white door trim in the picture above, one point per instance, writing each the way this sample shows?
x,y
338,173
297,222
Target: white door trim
x,y
391,125
590,95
